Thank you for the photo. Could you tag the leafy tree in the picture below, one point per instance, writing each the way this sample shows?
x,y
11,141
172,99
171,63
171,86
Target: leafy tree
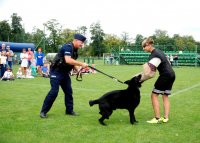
x,y
179,43
4,31
82,30
161,37
38,37
112,43
125,38
138,41
28,38
16,28
97,37
189,42
67,35
53,41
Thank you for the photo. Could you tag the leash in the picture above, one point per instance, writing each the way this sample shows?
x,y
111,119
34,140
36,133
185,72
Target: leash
x,y
79,74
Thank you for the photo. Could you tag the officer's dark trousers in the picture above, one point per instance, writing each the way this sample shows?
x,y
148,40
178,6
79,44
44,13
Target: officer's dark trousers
x,y
56,79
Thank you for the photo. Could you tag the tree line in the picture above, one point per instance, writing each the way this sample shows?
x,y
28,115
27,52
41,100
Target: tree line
x,y
98,43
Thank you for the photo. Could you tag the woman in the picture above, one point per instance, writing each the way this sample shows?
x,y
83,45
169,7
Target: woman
x,y
163,85
24,61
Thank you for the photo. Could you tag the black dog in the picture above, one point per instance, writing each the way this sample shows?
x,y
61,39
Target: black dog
x,y
120,99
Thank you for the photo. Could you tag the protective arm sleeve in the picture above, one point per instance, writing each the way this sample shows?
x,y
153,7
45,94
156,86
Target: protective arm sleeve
x,y
149,69
147,72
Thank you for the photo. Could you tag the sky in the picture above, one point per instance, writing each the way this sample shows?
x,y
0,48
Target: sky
x,y
115,16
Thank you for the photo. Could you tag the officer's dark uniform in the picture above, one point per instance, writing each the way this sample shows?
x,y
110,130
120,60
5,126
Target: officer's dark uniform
x,y
59,75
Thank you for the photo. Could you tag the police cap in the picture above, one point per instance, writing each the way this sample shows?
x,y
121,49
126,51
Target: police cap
x,y
79,37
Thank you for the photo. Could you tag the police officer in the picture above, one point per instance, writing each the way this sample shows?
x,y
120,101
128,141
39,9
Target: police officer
x,y
63,63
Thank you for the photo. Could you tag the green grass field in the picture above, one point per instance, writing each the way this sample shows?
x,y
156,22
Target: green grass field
x,y
21,101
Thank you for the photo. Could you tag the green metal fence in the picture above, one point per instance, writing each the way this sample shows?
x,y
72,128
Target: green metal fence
x,y
185,58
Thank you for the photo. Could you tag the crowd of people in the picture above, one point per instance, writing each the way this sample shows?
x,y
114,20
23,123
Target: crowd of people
x,y
31,64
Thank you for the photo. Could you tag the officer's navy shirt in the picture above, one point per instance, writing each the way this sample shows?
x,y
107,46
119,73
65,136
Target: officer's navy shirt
x,y
67,50
164,67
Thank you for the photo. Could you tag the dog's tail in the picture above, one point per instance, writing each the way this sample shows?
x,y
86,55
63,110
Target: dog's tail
x,y
92,102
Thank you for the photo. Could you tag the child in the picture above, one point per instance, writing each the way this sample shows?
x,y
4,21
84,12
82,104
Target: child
x,y
8,75
45,70
19,73
28,73
33,67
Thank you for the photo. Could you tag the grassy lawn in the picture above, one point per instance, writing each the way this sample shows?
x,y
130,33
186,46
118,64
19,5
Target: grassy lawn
x,y
21,101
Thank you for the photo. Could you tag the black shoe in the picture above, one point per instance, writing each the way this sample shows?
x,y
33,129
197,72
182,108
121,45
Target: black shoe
x,y
72,113
43,115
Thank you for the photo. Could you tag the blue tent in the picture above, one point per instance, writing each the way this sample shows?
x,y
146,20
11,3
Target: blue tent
x,y
17,47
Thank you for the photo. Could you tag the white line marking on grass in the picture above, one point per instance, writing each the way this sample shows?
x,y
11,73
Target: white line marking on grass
x,y
186,89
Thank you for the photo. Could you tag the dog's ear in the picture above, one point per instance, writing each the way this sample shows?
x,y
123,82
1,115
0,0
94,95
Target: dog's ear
x,y
139,76
127,82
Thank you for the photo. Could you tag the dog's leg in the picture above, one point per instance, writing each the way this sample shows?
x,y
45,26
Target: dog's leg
x,y
92,102
101,121
132,117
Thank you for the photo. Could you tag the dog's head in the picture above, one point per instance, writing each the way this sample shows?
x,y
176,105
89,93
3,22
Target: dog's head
x,y
134,82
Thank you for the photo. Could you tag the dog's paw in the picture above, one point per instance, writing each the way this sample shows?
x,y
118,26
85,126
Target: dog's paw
x,y
102,123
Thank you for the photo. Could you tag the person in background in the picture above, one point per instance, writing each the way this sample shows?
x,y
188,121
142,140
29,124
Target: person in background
x,y
24,61
176,60
171,59
62,64
164,83
45,70
30,56
33,66
19,74
8,75
39,60
3,58
29,73
10,55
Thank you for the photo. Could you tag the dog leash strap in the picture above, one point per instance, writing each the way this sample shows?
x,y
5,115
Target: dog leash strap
x,y
106,75
79,75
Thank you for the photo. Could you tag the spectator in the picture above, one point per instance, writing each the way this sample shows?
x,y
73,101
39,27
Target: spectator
x,y
15,59
30,56
45,70
29,73
19,74
176,60
171,59
24,61
10,55
39,59
111,59
3,58
8,75
33,66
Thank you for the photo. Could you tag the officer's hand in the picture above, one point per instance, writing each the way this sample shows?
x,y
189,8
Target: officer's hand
x,y
84,65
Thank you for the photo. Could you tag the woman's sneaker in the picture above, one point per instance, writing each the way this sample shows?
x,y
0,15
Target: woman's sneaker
x,y
155,121
164,120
